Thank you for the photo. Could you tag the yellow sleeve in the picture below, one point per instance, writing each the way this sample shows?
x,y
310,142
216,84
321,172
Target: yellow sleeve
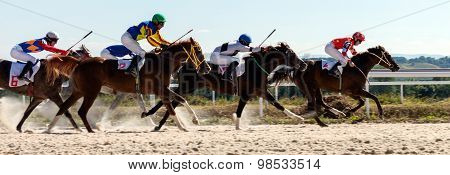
x,y
163,41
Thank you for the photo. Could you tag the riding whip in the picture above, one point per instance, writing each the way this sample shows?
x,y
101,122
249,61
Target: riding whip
x,y
181,37
80,40
267,37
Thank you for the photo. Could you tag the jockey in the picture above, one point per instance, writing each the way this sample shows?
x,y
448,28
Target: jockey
x,y
22,50
225,54
115,52
145,30
345,44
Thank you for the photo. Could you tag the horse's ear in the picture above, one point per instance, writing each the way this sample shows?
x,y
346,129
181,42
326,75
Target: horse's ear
x,y
192,40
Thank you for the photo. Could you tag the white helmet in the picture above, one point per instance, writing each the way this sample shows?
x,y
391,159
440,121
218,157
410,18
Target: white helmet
x,y
52,35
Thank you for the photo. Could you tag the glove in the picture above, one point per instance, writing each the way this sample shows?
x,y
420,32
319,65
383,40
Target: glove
x,y
164,46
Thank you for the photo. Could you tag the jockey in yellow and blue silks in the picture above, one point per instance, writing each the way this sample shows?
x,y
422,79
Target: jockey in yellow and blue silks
x,y
145,30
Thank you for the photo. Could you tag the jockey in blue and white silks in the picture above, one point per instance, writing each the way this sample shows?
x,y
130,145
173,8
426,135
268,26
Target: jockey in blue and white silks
x,y
225,54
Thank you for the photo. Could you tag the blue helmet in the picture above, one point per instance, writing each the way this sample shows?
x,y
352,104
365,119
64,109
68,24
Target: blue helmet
x,y
245,39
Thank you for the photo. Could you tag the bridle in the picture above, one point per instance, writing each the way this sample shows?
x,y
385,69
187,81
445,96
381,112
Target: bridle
x,y
382,59
192,55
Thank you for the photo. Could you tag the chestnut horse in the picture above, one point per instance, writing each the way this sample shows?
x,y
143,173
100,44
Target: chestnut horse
x,y
89,77
353,81
47,82
251,84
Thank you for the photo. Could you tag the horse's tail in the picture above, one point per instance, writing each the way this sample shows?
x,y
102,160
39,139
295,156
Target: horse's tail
x,y
281,73
60,65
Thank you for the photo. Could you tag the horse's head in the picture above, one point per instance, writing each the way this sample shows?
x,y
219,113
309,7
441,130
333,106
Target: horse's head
x,y
192,51
292,59
281,54
82,53
384,58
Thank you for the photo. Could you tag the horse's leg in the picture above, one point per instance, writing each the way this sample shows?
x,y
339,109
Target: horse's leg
x,y
237,116
327,107
374,98
361,103
154,109
33,104
317,100
181,100
171,110
141,103
158,105
57,99
63,109
269,97
88,101
165,117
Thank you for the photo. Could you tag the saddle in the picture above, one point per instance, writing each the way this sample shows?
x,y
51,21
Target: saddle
x,y
16,69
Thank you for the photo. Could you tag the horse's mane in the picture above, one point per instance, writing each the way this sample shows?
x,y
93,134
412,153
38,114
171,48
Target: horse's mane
x,y
371,50
58,65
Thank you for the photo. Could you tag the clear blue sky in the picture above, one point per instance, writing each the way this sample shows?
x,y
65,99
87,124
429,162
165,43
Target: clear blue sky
x,y
302,24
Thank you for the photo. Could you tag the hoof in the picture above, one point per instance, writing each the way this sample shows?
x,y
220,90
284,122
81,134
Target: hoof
x,y
157,129
324,125
195,121
143,115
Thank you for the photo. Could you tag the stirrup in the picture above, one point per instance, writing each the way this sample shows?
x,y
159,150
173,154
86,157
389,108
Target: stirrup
x,y
24,79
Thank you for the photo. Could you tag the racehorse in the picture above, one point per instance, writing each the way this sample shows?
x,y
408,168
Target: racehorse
x,y
251,84
47,82
89,76
353,81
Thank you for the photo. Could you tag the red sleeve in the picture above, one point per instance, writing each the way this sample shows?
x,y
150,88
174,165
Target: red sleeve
x,y
53,49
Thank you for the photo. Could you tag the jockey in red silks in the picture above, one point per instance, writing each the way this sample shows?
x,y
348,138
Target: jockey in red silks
x,y
145,30
346,44
22,51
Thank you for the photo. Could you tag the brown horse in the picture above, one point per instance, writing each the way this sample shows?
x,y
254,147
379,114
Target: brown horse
x,y
251,84
47,82
89,76
353,81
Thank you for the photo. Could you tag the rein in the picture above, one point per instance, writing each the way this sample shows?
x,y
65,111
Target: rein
x,y
259,65
381,59
192,55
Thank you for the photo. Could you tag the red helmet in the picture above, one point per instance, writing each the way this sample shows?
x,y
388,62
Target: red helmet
x,y
359,36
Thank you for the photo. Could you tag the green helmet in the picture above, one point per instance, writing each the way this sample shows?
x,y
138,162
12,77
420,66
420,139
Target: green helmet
x,y
157,18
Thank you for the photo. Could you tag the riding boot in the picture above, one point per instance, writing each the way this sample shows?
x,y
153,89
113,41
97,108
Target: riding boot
x,y
231,71
26,69
133,68
335,71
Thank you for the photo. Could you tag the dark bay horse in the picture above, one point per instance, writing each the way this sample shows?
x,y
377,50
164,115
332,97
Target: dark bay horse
x,y
353,81
47,82
251,84
89,77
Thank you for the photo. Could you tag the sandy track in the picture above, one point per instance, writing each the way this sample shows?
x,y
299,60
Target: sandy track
x,y
275,139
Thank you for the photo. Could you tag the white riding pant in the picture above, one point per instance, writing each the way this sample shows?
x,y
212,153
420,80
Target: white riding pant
x,y
18,54
222,60
107,55
333,52
132,45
